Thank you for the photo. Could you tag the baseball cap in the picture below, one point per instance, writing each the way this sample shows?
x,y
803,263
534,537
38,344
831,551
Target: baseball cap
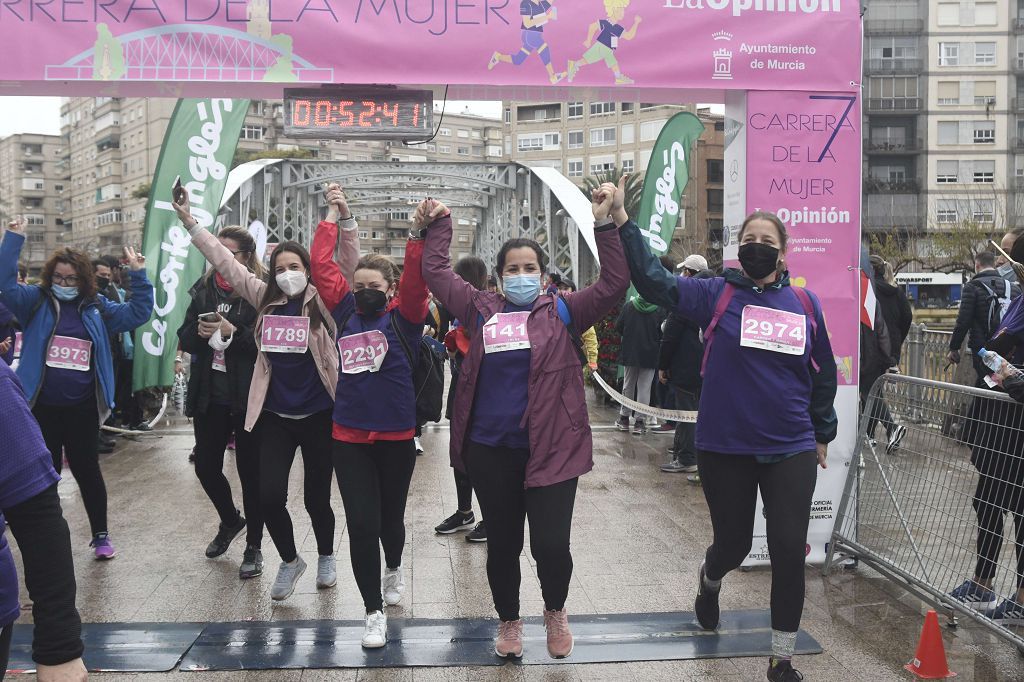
x,y
694,262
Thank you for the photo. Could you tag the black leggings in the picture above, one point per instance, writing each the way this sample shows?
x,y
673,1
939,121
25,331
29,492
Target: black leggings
x,y
730,485
213,430
73,430
5,647
374,482
280,437
463,490
994,498
499,475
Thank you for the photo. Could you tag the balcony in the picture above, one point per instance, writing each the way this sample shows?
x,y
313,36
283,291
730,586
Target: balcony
x,y
892,27
894,146
876,186
1018,25
893,66
904,105
1017,63
1017,143
1018,183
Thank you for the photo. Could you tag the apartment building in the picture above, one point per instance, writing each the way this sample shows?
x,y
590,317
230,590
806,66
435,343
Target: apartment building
x,y
112,145
941,129
29,186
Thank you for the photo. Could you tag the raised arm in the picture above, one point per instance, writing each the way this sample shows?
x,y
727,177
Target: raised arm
x,y
22,299
327,274
656,284
454,292
412,288
125,317
249,286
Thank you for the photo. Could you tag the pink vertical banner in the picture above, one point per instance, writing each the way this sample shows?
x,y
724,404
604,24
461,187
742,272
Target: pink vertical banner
x,y
803,164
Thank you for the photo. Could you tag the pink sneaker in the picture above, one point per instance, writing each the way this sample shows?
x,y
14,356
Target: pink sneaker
x,y
104,549
510,639
231,443
559,637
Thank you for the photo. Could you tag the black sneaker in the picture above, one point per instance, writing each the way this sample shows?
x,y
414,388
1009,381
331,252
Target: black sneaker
x,y
783,671
192,456
142,426
105,448
107,439
706,604
478,534
225,535
455,522
252,563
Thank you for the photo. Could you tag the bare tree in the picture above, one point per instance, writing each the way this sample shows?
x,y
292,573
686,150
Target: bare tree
x,y
961,226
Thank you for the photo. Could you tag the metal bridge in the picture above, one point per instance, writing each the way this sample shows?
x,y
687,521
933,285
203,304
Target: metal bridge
x,y
503,200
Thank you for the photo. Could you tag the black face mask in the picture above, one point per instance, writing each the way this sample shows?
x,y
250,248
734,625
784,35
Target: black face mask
x,y
759,260
102,283
371,301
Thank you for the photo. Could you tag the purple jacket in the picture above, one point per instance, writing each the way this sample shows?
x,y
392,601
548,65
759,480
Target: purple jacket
x,y
561,446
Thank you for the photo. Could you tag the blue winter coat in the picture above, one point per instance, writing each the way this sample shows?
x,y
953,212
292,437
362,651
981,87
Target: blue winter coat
x,y
37,309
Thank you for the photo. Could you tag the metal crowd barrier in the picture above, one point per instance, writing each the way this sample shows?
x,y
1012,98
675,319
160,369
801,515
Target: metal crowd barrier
x,y
924,356
913,515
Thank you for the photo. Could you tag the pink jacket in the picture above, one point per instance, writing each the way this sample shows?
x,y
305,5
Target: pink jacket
x,y
561,445
251,288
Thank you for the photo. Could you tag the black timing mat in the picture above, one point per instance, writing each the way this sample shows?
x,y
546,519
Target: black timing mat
x,y
118,647
458,642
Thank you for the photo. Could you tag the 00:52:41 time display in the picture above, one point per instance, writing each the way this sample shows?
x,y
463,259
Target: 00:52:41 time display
x,y
347,113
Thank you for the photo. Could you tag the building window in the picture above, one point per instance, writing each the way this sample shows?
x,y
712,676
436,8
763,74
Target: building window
x,y
494,150
984,132
463,134
538,141
984,172
252,133
949,14
602,137
575,169
444,149
985,14
716,170
628,165
575,109
649,130
627,107
983,211
715,201
445,132
379,235
363,234
949,54
597,168
508,115
984,92
947,172
462,151
984,54
575,139
602,108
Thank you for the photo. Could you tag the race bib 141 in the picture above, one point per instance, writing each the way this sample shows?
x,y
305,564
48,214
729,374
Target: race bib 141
x,y
506,331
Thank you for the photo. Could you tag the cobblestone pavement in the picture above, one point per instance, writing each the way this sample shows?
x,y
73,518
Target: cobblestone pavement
x,y
638,537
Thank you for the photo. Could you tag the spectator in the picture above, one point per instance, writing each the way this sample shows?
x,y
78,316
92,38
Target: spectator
x,y
894,304
985,300
640,326
29,501
664,397
1006,244
679,369
877,358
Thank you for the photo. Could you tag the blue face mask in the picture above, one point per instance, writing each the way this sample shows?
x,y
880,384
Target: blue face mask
x,y
521,289
1006,271
64,293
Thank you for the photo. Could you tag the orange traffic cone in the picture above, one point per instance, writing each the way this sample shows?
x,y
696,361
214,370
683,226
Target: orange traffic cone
x,y
930,660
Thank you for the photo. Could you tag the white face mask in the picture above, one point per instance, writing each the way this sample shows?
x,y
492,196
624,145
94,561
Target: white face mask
x,y
292,282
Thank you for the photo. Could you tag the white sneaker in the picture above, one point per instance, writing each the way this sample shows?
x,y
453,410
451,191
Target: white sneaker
x,y
287,576
326,572
393,586
375,635
419,445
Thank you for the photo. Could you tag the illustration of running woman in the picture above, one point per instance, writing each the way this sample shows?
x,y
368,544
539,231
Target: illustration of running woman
x,y
608,32
534,13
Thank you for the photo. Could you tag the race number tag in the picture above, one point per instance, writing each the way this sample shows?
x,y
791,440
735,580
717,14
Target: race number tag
x,y
284,334
363,352
17,345
506,331
219,363
773,330
69,353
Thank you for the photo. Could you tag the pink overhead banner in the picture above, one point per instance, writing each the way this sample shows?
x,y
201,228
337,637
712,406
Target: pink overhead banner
x,y
152,46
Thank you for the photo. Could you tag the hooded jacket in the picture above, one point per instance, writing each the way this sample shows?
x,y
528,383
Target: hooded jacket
x,y
972,320
682,349
787,403
641,336
897,314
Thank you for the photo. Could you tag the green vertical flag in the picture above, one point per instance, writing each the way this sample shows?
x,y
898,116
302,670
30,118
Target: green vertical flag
x,y
667,174
198,146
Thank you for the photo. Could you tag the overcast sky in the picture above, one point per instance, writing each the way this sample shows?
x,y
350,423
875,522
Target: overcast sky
x,y
42,114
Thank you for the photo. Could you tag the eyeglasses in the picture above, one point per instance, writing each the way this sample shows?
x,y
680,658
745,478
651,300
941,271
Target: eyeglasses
x,y
69,281
243,252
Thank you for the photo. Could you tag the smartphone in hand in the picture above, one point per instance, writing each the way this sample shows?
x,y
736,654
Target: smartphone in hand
x,y
209,317
178,192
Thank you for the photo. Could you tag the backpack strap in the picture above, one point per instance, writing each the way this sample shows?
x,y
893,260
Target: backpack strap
x,y
709,334
812,314
402,342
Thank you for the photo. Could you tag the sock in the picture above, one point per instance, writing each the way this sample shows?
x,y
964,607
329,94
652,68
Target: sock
x,y
783,645
713,585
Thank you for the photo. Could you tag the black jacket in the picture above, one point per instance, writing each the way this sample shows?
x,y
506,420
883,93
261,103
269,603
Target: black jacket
x,y
972,321
641,336
682,349
240,357
897,314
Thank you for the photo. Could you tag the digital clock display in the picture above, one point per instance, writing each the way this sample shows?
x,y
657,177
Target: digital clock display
x,y
334,113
